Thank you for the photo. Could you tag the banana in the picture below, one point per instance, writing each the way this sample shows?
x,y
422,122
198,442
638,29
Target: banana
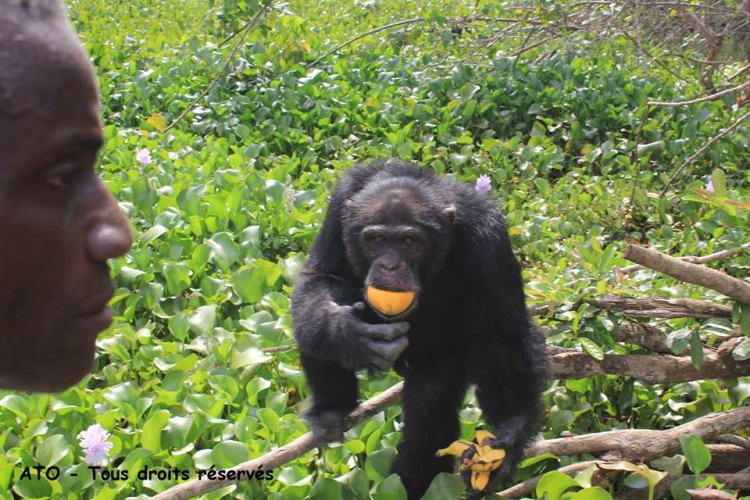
x,y
456,448
479,480
482,462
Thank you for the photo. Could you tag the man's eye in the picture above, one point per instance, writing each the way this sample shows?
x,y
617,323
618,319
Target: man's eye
x,y
63,176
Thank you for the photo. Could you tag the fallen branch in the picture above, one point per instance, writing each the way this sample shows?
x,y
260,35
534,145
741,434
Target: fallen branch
x,y
694,259
635,445
527,487
663,308
283,454
690,273
644,445
653,369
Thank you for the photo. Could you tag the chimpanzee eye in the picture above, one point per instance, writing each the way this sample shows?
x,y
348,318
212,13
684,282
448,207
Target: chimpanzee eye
x,y
408,240
378,238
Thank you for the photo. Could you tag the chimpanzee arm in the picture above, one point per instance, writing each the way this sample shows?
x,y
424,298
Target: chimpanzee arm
x,y
326,307
506,356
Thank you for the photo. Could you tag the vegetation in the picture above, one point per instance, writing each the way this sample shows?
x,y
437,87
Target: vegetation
x,y
195,373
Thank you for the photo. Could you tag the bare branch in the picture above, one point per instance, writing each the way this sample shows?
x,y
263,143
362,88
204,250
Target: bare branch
x,y
652,368
662,308
690,273
711,97
723,254
283,454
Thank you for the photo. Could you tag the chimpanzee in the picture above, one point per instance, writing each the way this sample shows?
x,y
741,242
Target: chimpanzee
x,y
415,270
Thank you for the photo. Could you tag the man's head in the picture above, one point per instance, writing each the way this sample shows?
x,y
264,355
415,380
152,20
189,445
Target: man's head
x,y
58,223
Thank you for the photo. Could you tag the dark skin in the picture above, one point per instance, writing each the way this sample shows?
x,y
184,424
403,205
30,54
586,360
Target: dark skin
x,y
60,224
401,228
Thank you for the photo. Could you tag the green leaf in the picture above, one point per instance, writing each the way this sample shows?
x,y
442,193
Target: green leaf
x,y
204,320
592,493
378,464
325,488
719,182
151,433
696,453
269,419
229,453
445,487
51,450
696,350
249,284
225,250
553,484
591,348
33,488
742,351
390,489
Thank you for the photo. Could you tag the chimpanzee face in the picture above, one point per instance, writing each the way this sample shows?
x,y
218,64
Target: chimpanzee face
x,y
396,240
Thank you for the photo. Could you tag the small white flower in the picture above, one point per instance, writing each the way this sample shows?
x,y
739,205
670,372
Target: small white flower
x,y
143,156
95,445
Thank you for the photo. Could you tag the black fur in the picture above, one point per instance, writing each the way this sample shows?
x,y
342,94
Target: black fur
x,y
469,326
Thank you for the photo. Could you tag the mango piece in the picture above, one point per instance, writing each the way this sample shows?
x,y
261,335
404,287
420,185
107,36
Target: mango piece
x,y
389,303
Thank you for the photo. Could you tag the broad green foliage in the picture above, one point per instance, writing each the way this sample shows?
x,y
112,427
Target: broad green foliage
x,y
233,196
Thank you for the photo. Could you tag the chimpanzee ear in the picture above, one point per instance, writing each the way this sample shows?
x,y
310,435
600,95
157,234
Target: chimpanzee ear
x,y
450,213
346,209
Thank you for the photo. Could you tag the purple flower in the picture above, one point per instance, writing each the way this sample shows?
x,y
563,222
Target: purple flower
x,y
143,156
95,445
483,184
710,186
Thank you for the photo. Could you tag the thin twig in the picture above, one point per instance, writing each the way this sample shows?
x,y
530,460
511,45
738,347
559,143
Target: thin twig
x,y
415,20
248,27
703,149
711,97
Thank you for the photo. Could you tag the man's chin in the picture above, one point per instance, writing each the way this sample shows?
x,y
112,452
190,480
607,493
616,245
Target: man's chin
x,y
46,372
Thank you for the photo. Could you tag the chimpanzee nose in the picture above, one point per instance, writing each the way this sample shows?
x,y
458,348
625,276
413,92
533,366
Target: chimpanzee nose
x,y
392,265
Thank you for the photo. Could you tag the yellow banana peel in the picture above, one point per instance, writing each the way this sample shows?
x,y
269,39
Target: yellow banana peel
x,y
481,463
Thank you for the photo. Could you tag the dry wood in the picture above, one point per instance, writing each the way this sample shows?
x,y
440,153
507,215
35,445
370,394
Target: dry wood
x,y
654,369
663,308
644,335
690,273
283,454
723,254
644,445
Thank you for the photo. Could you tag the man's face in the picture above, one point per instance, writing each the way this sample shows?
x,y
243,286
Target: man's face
x,y
58,223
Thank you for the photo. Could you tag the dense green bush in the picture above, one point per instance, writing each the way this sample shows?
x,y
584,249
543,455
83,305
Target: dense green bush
x,y
232,197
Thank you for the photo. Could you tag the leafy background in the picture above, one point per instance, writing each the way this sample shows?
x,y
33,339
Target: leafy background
x,y
234,195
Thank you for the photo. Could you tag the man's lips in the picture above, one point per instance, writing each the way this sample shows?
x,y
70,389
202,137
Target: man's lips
x,y
97,316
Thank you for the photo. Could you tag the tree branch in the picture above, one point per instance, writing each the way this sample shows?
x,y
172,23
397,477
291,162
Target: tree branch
x,y
662,308
690,273
283,454
723,254
653,369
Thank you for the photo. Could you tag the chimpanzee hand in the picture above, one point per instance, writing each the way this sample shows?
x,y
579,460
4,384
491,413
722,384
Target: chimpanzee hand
x,y
368,344
507,438
327,426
